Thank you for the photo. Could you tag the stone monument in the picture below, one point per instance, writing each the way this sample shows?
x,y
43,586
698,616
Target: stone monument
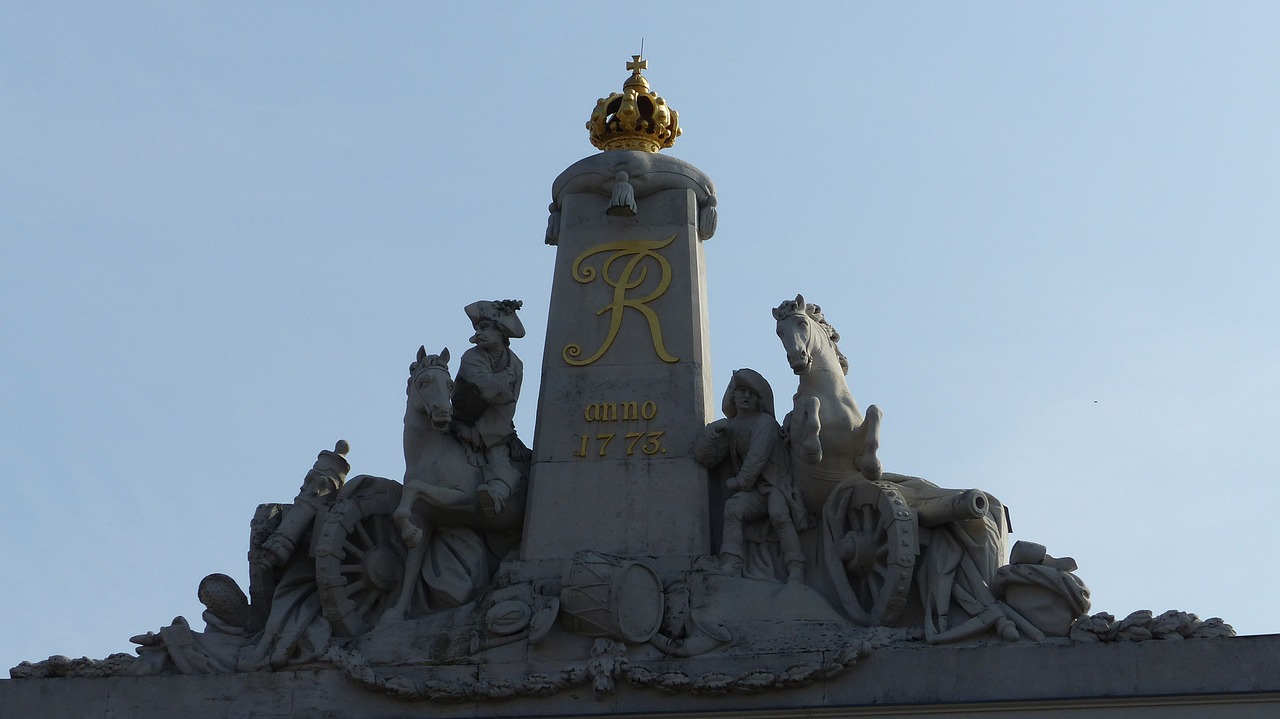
x,y
627,368
643,555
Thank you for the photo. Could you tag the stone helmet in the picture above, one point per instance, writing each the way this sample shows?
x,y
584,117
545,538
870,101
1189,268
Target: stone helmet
x,y
334,464
753,381
500,312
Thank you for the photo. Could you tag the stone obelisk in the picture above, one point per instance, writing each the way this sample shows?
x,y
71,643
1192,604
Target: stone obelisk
x,y
626,369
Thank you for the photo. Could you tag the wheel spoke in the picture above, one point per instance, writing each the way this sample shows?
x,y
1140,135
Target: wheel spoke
x,y
884,519
363,533
879,577
382,530
368,602
350,549
863,592
355,587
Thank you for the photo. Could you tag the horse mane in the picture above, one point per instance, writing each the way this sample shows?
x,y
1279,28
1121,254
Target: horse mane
x,y
814,312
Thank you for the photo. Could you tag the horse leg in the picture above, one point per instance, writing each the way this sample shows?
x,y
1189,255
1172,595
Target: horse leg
x,y
810,426
869,434
412,570
403,516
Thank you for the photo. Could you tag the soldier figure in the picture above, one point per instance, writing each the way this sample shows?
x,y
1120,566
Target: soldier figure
x,y
484,398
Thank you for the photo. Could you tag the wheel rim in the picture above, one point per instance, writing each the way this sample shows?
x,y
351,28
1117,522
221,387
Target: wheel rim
x,y
360,557
879,547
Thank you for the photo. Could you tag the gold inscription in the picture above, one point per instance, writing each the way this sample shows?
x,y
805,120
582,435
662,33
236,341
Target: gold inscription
x,y
602,444
631,274
625,411
648,410
601,412
647,443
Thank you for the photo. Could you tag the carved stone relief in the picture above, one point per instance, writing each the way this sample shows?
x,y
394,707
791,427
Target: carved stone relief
x,y
822,554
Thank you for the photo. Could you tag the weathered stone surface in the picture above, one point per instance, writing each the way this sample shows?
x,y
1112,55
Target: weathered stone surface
x,y
1230,677
626,374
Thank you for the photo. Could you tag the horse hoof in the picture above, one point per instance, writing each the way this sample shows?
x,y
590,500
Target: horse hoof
x,y
411,538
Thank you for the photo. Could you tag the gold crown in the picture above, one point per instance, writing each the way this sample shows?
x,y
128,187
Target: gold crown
x,y
634,119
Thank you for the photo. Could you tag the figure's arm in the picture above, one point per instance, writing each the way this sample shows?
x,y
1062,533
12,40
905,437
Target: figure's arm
x,y
517,368
493,388
709,447
764,437
278,547
317,491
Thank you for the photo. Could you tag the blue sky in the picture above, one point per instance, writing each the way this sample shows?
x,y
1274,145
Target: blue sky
x,y
1046,233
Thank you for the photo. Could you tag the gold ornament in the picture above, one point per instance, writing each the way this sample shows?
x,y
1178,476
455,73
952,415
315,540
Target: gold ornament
x,y
634,119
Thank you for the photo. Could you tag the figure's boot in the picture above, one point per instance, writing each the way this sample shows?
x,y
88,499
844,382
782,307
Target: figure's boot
x,y
792,553
493,497
730,565
795,572
500,477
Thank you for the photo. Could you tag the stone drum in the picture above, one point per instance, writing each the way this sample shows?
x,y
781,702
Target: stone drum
x,y
605,596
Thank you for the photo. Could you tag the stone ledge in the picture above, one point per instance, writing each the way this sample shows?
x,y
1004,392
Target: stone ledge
x,y
1228,677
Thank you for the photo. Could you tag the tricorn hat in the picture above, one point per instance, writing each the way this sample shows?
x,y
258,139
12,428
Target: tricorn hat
x,y
753,381
501,312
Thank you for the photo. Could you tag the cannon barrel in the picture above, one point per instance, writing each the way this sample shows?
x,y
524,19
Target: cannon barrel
x,y
969,504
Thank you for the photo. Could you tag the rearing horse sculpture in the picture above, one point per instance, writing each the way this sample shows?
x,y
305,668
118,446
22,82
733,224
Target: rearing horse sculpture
x,y
435,464
830,439
958,534
439,495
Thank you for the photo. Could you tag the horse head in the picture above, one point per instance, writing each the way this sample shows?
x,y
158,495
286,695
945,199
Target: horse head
x,y
430,387
806,335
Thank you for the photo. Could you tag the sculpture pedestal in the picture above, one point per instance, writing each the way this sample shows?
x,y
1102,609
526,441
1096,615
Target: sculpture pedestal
x,y
626,372
1234,678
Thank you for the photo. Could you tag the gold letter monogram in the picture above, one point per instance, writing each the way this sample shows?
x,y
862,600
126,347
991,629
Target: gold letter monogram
x,y
627,279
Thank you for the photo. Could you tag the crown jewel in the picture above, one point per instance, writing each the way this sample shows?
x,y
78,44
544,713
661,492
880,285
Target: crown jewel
x,y
634,119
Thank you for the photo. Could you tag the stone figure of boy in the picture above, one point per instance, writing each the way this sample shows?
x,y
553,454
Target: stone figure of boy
x,y
484,398
748,443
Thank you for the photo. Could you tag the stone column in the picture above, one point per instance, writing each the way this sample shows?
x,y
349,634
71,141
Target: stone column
x,y
626,369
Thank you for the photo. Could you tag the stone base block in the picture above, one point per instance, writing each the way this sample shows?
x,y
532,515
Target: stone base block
x,y
1228,677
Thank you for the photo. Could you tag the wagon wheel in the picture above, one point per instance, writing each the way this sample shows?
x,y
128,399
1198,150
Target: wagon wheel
x,y
878,547
359,555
